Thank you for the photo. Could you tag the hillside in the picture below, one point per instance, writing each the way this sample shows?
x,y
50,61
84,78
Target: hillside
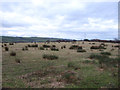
x,y
28,39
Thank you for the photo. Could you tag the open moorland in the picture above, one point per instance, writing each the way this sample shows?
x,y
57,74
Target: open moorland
x,y
60,65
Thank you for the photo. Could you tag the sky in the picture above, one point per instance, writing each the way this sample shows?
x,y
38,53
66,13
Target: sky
x,y
69,19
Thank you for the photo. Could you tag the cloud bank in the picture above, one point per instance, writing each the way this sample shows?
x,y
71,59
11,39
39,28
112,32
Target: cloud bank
x,y
71,19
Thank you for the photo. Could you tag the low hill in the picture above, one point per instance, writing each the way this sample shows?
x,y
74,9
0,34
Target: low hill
x,y
28,39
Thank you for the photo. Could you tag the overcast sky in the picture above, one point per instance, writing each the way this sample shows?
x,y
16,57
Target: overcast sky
x,y
70,19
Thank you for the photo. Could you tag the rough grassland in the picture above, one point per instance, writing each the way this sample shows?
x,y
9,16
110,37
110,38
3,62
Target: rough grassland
x,y
35,72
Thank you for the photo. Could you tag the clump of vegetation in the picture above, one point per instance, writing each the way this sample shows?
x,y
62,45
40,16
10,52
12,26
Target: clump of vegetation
x,y
6,49
5,44
53,46
75,47
102,59
105,53
41,48
33,45
50,57
11,43
46,46
54,49
81,50
97,47
17,60
12,53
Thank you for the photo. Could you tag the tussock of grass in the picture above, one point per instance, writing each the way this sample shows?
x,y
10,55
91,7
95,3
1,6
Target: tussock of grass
x,y
50,57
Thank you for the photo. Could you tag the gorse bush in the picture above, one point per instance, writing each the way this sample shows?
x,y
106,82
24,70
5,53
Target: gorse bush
x,y
50,57
54,49
11,43
81,50
46,46
12,53
97,47
75,47
33,45
5,44
6,49
105,53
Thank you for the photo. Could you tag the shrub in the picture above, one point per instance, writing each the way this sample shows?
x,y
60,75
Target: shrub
x,y
75,47
53,46
54,49
12,53
34,45
97,47
105,53
50,57
23,49
41,48
17,60
11,43
81,50
6,49
5,44
46,46
87,61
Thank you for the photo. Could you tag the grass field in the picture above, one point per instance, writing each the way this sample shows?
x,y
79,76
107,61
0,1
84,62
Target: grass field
x,y
71,69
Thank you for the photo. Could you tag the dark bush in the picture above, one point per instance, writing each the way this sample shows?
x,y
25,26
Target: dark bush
x,y
81,50
23,49
5,44
50,57
12,53
53,46
6,49
97,47
117,46
54,49
105,53
33,45
75,47
11,43
46,46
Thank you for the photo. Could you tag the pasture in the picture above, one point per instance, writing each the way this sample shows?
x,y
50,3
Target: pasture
x,y
56,65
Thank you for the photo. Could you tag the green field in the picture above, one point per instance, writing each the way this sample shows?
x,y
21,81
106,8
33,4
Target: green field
x,y
71,69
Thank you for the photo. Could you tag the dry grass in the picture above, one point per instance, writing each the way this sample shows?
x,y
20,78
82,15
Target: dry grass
x,y
32,62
